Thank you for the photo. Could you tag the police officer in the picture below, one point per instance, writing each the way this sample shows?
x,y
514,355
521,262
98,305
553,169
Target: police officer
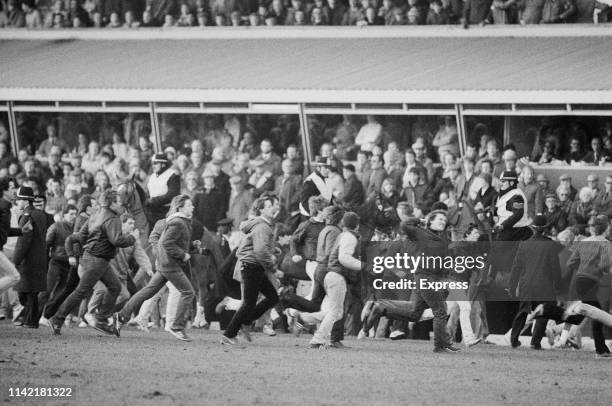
x,y
163,185
511,209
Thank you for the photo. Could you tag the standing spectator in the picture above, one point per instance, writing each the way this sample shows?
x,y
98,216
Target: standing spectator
x,y
370,134
354,194
354,13
476,12
532,191
240,201
163,185
337,12
373,183
161,8
503,11
30,257
558,11
556,219
420,154
262,180
288,188
603,202
52,140
278,12
530,11
209,204
271,161
416,192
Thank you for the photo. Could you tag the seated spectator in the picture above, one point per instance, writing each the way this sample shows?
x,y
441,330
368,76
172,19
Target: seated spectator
x,y
597,155
582,208
254,20
370,18
566,181
57,8
544,184
114,21
96,19
130,22
414,16
185,18
236,19
78,13
556,219
548,154
147,19
33,19
15,18
437,15
593,183
398,17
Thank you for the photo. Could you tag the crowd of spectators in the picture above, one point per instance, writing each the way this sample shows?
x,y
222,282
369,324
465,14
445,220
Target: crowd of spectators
x,y
52,14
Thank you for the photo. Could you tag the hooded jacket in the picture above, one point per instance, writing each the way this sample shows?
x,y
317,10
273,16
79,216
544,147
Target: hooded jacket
x,y
257,247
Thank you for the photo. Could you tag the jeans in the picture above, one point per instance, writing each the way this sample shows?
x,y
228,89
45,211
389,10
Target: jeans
x,y
94,269
332,308
459,305
9,276
55,301
180,281
56,282
100,291
254,280
587,292
436,300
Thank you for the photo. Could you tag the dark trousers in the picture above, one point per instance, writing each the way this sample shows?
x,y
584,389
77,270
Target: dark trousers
x,y
436,300
587,292
181,282
55,301
311,306
94,269
254,280
57,277
519,322
29,314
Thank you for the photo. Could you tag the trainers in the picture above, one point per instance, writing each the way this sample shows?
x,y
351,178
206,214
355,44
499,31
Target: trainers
x,y
18,322
105,328
268,330
180,334
472,342
44,321
448,348
246,333
228,341
397,335
537,312
362,334
89,319
338,344
297,326
117,323
57,328
82,324
318,346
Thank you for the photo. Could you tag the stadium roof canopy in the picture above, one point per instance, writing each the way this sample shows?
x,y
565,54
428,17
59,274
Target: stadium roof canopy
x,y
339,65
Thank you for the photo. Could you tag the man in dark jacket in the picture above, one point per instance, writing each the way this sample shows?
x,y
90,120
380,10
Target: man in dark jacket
x,y
353,188
536,272
288,189
101,235
30,257
257,265
58,265
210,205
